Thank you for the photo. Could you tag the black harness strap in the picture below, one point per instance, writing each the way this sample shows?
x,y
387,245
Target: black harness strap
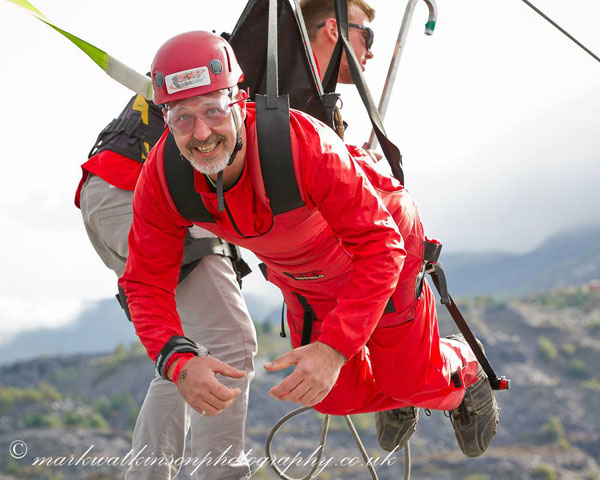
x,y
389,307
307,322
272,57
275,151
436,271
180,180
239,265
391,152
273,133
122,299
330,99
333,69
195,249
127,134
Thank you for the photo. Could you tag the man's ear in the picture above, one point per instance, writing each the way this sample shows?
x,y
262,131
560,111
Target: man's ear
x,y
331,29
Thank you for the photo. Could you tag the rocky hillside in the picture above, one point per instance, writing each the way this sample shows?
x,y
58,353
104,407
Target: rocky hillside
x,y
548,344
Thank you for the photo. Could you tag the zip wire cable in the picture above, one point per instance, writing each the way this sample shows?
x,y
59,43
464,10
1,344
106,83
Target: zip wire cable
x,y
537,10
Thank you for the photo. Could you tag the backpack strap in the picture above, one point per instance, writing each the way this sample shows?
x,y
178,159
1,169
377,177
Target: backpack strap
x,y
273,133
391,152
180,181
134,132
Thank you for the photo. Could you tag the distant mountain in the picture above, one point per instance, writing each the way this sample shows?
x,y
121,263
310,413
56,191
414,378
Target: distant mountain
x,y
566,259
100,327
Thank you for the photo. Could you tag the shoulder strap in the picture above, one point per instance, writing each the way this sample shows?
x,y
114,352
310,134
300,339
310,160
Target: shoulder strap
x,y
180,181
297,75
275,151
134,132
273,133
391,152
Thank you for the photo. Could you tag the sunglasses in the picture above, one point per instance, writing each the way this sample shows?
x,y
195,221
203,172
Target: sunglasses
x,y
369,34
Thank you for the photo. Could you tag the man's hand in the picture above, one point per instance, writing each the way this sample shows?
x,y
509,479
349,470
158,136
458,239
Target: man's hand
x,y
317,367
200,388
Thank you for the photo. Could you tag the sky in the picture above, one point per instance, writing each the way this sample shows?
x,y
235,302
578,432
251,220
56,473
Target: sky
x,y
496,115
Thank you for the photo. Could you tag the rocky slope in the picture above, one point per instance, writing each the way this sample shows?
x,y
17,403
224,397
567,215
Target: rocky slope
x,y
549,425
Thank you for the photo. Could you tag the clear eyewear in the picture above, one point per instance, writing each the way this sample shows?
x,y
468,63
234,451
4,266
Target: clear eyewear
x,y
214,113
369,34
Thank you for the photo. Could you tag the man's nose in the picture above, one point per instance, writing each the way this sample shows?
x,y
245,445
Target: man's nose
x,y
369,54
201,129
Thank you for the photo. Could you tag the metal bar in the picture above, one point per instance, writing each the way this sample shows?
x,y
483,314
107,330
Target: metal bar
x,y
398,50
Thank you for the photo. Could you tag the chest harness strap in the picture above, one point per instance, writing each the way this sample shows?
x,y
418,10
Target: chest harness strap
x,y
431,265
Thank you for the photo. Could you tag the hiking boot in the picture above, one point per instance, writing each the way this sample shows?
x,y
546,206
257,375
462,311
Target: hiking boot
x,y
394,427
475,421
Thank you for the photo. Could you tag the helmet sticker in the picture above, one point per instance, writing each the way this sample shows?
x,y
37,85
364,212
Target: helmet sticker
x,y
192,78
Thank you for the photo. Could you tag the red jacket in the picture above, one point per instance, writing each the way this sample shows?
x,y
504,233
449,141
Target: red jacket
x,y
120,171
343,250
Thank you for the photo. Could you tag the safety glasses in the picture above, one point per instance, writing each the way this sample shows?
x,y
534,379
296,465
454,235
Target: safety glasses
x,y
213,111
368,34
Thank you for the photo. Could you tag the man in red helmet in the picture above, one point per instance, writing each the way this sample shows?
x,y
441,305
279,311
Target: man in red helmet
x,y
104,196
347,257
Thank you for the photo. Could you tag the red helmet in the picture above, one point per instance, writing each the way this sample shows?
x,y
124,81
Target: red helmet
x,y
193,63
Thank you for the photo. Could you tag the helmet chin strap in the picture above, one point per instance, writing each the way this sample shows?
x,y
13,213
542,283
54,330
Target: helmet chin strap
x,y
238,146
238,140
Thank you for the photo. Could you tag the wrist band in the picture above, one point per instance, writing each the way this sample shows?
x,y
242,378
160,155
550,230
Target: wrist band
x,y
176,344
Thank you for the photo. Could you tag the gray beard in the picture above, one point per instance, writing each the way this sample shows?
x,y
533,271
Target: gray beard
x,y
211,168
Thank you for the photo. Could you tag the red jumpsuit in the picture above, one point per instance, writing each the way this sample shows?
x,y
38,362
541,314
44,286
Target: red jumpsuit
x,y
356,243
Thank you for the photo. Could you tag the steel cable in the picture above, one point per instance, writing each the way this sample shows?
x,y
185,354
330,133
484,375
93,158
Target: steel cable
x,y
538,11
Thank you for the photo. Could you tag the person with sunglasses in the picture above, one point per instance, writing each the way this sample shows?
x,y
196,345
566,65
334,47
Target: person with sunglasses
x,y
319,16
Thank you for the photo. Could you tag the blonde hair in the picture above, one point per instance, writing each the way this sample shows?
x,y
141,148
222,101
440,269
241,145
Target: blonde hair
x,y
317,11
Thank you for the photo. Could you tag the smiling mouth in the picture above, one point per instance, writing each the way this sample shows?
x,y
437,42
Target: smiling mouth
x,y
207,148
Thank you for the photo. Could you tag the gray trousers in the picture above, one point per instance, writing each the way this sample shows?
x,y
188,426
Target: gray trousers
x,y
213,313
